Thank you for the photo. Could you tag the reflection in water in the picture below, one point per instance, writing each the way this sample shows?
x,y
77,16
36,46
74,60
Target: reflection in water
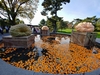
x,y
50,40
61,40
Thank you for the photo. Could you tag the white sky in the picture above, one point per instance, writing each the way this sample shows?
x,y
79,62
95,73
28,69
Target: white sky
x,y
75,9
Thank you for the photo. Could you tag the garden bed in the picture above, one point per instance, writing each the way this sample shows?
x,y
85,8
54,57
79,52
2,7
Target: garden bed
x,y
56,57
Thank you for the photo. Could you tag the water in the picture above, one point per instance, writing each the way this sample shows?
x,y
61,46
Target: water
x,y
59,40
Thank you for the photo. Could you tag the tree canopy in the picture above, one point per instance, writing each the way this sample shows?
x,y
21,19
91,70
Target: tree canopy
x,y
94,20
53,6
42,22
12,9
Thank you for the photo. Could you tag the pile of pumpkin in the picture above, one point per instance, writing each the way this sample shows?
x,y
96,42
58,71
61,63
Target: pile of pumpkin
x,y
58,59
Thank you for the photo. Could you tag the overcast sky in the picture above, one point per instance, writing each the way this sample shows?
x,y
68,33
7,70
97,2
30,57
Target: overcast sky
x,y
75,9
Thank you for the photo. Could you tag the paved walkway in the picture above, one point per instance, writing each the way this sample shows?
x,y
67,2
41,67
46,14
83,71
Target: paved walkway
x,y
7,69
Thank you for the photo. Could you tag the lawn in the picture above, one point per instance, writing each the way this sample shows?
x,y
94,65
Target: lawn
x,y
68,31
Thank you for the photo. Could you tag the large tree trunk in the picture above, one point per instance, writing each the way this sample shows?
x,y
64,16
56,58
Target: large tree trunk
x,y
13,20
55,25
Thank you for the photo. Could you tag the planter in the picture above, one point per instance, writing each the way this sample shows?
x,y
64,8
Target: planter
x,y
83,38
18,42
45,32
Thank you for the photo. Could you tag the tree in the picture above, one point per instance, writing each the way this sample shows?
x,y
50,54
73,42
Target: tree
x,y
12,9
61,24
51,22
76,21
3,22
98,25
18,21
93,20
53,6
90,19
42,22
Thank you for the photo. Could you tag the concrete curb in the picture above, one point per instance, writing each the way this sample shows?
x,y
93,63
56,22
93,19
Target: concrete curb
x,y
7,69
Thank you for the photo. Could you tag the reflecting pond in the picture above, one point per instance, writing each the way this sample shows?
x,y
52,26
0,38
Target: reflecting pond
x,y
53,54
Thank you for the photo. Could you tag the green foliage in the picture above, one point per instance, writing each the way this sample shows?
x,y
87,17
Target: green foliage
x,y
65,24
42,22
18,21
98,24
53,5
20,30
62,24
3,22
50,22
98,34
76,21
95,21
11,9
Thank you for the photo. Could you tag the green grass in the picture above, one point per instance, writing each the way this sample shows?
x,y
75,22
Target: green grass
x,y
98,34
68,31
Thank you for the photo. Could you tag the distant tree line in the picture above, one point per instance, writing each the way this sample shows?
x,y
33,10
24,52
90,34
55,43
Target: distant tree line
x,y
5,22
55,22
13,9
94,20
53,6
61,24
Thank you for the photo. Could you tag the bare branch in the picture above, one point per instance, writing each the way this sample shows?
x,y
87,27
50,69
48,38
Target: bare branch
x,y
20,5
2,13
